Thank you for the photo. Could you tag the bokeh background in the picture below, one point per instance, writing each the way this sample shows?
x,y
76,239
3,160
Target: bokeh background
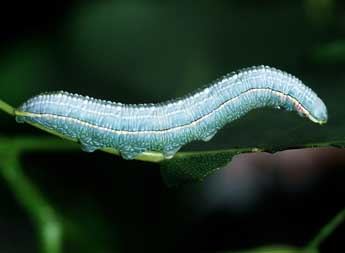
x,y
151,51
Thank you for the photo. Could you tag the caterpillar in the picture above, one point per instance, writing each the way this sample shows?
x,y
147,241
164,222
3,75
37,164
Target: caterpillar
x,y
165,127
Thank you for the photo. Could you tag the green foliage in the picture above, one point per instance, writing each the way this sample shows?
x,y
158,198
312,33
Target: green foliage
x,y
185,166
164,50
44,216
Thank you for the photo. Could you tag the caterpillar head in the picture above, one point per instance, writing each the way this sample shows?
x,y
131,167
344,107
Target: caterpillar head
x,y
318,113
315,110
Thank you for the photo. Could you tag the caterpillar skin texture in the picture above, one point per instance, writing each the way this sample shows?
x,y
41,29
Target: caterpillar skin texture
x,y
165,127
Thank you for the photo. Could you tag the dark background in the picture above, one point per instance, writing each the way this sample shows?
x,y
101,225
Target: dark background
x,y
149,51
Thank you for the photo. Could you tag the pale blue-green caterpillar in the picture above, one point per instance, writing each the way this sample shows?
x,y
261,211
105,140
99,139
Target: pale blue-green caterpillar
x,y
165,127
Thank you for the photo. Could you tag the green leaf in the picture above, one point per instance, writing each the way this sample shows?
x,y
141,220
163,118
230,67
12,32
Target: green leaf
x,y
195,166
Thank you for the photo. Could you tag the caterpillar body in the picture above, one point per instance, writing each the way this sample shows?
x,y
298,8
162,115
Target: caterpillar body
x,y
165,127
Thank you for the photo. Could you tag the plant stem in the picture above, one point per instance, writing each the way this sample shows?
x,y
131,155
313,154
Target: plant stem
x,y
48,143
312,246
271,249
327,230
45,218
7,108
